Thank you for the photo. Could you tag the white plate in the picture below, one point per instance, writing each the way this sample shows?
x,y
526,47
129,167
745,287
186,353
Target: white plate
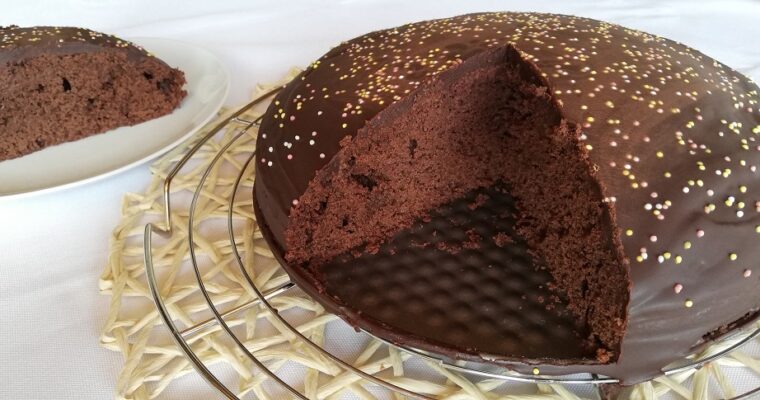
x,y
96,157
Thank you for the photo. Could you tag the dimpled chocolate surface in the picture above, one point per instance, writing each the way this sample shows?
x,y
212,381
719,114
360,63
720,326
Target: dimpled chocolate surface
x,y
472,291
672,133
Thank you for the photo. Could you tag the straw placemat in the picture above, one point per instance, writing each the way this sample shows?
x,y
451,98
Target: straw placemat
x,y
152,361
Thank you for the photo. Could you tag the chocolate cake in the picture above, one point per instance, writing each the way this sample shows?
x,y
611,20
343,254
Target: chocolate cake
x,y
62,84
490,120
631,161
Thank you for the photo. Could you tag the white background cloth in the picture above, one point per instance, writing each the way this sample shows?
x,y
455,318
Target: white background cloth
x,y
54,247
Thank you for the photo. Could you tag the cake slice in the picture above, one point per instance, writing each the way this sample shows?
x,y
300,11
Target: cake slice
x,y
490,121
64,84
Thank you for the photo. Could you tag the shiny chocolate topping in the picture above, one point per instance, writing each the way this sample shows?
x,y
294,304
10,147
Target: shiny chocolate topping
x,y
17,43
674,134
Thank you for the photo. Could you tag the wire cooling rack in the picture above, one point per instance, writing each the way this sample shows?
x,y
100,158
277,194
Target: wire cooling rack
x,y
215,240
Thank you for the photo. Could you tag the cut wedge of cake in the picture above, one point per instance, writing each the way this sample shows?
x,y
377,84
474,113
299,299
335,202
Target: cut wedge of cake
x,y
491,120
62,84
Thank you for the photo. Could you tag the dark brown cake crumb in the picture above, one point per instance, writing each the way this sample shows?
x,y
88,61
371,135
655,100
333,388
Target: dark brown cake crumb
x,y
473,240
604,356
479,201
502,239
449,247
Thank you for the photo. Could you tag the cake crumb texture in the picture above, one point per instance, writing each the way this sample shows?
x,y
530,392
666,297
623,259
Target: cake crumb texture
x,y
56,91
488,121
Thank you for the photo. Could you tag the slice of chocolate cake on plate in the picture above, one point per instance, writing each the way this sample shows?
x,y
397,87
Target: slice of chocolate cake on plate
x,y
62,84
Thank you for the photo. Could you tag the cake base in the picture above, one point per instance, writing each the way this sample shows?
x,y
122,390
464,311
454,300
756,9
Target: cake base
x,y
461,285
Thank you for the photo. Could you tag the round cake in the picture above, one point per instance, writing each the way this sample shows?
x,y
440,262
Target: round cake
x,y
631,161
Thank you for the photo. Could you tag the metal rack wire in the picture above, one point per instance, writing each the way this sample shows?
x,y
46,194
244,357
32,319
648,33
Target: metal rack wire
x,y
262,298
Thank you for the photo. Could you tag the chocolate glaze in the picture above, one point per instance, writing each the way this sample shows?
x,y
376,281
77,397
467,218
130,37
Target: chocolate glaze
x,y
672,132
20,43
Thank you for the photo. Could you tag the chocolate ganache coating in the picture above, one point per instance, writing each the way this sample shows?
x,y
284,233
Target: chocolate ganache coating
x,y
672,134
20,43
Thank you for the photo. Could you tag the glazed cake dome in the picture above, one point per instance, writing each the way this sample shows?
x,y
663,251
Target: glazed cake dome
x,y
667,135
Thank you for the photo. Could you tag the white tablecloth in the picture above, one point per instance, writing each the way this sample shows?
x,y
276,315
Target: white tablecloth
x,y
53,247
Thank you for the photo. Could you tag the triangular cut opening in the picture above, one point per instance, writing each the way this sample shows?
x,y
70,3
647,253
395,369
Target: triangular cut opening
x,y
488,133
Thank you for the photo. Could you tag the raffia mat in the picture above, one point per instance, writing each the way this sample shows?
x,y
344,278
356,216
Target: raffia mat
x,y
152,361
